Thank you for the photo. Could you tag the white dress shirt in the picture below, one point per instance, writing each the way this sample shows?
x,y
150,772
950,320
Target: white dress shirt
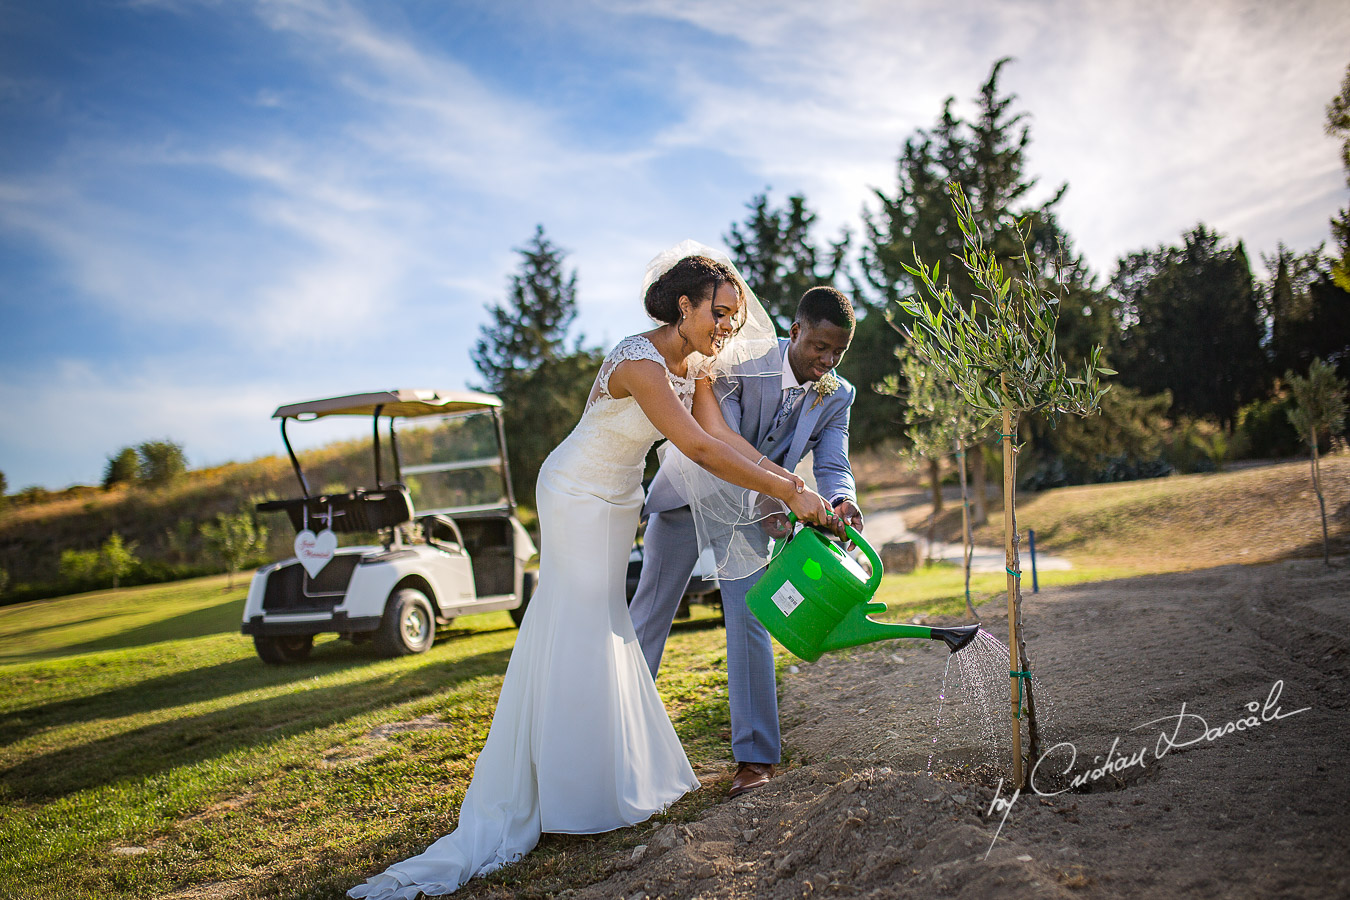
x,y
790,379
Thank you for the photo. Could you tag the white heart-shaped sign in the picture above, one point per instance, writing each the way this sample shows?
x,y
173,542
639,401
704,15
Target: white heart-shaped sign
x,y
315,550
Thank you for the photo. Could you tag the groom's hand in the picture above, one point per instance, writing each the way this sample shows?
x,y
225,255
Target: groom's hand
x,y
848,511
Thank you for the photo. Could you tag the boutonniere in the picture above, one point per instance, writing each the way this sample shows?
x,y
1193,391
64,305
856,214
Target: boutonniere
x,y
827,385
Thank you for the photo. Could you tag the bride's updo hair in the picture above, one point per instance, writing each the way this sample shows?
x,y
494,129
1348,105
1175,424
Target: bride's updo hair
x,y
695,277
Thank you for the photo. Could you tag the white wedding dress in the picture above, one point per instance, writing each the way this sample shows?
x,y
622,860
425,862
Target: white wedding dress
x,y
580,742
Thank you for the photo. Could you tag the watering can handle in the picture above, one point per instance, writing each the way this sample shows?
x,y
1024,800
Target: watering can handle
x,y
875,580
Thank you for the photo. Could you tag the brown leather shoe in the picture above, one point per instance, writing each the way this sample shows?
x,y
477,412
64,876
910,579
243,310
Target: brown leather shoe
x,y
750,776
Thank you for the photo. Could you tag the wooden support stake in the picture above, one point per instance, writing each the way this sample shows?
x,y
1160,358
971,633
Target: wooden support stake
x,y
1321,500
966,539
1009,474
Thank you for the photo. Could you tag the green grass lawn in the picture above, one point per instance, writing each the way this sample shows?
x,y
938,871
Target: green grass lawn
x,y
146,749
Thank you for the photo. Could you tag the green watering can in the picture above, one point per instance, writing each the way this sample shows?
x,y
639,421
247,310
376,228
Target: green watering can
x,y
813,598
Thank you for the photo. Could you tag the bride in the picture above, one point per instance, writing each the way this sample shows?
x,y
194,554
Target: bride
x,y
580,743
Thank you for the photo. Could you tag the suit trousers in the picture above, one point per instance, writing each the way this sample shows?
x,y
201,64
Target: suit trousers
x,y
670,552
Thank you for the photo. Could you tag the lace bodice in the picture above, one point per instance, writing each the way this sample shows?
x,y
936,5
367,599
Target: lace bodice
x,y
605,454
638,346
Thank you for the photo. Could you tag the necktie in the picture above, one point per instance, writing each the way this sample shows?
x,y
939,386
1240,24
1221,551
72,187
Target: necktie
x,y
789,399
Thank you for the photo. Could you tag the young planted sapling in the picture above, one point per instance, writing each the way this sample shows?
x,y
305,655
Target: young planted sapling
x,y
1000,356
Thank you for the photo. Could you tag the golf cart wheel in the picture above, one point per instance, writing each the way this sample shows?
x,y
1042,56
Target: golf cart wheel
x,y
278,651
527,584
408,626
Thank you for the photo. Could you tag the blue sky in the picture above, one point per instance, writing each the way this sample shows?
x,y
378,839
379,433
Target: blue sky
x,y
209,208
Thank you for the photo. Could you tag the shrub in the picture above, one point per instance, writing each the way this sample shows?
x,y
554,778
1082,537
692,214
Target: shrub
x,y
32,496
116,558
1263,430
161,463
86,569
78,567
122,468
1060,471
1046,474
233,539
1127,468
181,540
1125,442
1195,445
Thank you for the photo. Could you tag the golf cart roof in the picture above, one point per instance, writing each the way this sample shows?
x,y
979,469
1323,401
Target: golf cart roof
x,y
406,403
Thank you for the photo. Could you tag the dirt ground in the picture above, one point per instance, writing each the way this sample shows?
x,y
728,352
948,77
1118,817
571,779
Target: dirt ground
x,y
1206,714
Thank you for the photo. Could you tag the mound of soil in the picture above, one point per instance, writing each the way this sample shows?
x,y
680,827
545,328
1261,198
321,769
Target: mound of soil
x,y
1194,727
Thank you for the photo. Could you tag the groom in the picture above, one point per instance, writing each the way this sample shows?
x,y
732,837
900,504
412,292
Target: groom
x,y
784,419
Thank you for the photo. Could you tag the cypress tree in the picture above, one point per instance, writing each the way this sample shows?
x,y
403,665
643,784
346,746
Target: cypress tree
x,y
524,359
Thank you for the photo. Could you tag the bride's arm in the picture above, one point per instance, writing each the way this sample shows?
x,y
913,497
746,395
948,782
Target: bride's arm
x,y
646,381
708,414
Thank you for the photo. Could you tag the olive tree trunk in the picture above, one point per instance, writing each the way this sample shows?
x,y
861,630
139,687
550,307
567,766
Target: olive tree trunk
x,y
1321,500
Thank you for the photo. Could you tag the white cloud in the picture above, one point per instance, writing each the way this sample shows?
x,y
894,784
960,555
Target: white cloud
x,y
370,235
76,414
269,99
79,414
164,269
1157,113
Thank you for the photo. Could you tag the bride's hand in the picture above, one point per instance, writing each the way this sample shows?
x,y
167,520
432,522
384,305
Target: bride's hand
x,y
810,507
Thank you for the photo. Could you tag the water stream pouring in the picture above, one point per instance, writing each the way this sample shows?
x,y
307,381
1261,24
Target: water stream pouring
x,y
814,598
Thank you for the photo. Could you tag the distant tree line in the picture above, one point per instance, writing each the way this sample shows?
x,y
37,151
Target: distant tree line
x,y
151,464
229,541
1204,349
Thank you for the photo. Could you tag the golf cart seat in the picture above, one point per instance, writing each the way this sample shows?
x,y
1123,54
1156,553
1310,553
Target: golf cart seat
x,y
491,542
353,512
441,529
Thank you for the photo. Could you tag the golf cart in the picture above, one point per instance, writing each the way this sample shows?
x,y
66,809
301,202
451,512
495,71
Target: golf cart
x,y
460,551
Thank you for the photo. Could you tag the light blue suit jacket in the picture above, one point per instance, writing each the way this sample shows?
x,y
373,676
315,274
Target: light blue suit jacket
x,y
750,405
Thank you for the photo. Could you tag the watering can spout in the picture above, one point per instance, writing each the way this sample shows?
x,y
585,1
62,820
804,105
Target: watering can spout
x,y
858,628
958,637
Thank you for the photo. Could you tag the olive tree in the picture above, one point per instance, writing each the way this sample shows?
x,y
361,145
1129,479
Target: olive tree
x,y
1319,409
1000,356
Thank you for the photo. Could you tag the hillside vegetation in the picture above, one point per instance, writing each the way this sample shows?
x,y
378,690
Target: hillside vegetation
x,y
1177,523
163,523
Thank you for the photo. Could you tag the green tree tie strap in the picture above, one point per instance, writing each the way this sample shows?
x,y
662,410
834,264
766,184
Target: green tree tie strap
x,y
1017,713
1012,573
